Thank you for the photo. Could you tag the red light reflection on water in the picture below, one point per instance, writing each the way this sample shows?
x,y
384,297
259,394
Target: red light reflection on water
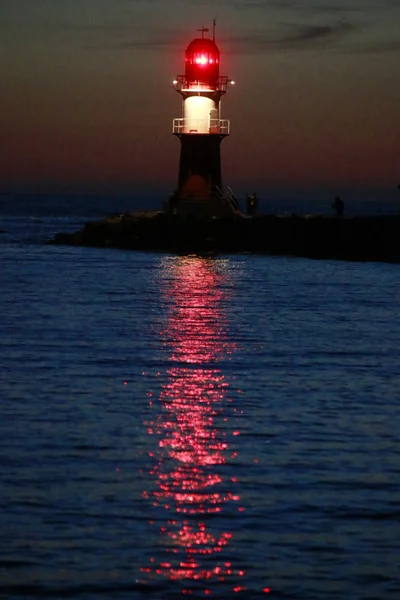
x,y
191,433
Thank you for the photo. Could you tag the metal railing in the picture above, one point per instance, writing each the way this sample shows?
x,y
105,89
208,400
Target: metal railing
x,y
220,126
226,195
185,84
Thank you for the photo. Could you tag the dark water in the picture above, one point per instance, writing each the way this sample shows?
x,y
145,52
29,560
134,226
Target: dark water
x,y
178,426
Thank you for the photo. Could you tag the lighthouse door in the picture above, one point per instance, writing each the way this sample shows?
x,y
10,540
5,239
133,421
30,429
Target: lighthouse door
x,y
213,121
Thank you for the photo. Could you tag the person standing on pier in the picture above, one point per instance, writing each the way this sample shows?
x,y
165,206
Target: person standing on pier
x,y
338,205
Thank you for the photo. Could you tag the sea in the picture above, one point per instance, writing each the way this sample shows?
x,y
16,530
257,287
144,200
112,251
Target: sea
x,y
175,426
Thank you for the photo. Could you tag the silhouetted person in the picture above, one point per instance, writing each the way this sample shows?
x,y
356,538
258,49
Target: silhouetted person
x,y
251,204
248,209
255,205
338,205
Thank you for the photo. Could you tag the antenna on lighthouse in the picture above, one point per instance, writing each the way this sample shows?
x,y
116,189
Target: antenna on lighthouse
x,y
214,25
203,30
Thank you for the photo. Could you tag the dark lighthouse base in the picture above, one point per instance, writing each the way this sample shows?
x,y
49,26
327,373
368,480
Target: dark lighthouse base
x,y
356,238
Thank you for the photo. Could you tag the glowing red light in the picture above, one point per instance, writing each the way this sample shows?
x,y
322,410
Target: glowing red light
x,y
201,59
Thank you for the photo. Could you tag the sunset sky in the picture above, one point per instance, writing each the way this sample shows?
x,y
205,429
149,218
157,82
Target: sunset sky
x,y
87,99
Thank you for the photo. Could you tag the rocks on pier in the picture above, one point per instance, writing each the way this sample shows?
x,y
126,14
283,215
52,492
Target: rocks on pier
x,y
375,238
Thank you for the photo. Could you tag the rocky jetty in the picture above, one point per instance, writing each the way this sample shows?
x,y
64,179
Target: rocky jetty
x,y
364,238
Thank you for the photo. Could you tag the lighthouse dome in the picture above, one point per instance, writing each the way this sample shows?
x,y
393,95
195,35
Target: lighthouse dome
x,y
202,62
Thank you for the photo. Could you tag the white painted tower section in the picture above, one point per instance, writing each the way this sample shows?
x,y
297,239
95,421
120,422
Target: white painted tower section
x,y
200,115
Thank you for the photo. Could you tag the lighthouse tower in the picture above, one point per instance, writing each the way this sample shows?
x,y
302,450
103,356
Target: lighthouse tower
x,y
201,130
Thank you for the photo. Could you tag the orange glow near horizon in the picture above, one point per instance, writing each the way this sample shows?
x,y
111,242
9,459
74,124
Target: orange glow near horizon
x,y
90,110
192,488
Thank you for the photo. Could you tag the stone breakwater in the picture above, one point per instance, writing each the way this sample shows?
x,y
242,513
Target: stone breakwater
x,y
354,238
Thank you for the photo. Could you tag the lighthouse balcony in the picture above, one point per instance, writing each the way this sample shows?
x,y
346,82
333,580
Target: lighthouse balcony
x,y
219,84
204,126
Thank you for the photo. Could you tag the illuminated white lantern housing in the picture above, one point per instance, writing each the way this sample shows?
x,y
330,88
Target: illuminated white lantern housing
x,y
200,128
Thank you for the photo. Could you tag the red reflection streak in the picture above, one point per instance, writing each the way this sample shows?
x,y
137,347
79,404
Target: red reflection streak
x,y
191,441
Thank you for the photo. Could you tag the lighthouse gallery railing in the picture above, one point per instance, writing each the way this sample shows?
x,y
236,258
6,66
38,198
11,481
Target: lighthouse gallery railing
x,y
186,85
220,126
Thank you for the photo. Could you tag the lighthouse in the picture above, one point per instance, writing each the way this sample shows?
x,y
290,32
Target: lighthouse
x,y
201,130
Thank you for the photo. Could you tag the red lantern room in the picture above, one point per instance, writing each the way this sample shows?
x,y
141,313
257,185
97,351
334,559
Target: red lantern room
x,y
202,63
